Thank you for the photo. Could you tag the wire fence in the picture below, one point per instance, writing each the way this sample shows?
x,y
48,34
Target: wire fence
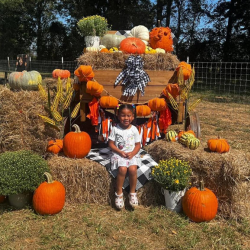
x,y
220,77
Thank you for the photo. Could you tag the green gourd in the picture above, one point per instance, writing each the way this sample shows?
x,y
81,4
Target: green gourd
x,y
185,137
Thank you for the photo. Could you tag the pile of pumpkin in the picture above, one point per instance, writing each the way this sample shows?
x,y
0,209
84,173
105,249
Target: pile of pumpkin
x,y
140,41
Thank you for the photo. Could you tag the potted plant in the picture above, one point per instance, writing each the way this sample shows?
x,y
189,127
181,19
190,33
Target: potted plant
x,y
92,28
174,176
21,172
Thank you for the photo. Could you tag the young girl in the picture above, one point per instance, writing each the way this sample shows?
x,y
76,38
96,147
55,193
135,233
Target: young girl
x,y
124,141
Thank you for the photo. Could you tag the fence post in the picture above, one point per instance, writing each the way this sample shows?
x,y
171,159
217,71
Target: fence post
x,y
188,59
30,63
62,62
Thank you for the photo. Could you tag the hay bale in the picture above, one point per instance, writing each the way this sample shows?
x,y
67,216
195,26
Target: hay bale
x,y
104,61
227,175
20,125
87,181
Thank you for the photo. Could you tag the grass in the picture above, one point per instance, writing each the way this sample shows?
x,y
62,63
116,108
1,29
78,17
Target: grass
x,y
88,226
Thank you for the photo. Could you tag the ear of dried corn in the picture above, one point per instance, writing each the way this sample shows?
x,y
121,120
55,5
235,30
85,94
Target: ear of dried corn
x,y
68,85
75,110
193,105
42,92
56,115
55,103
48,120
68,99
173,101
180,80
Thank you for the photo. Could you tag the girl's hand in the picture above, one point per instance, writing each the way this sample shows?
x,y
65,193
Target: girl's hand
x,y
123,154
130,155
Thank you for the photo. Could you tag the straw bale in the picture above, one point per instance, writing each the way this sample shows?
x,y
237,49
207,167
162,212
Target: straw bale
x,y
158,61
20,125
227,175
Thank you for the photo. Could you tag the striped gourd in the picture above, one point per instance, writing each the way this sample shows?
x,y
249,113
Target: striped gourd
x,y
56,115
184,138
171,135
193,143
75,110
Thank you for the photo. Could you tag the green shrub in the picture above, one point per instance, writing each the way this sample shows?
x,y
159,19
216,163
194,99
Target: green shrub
x,y
21,171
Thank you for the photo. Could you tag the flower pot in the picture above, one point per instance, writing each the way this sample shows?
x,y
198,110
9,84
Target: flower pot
x,y
173,199
20,200
92,41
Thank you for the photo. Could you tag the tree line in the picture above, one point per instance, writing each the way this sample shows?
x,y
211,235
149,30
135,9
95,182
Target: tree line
x,y
206,30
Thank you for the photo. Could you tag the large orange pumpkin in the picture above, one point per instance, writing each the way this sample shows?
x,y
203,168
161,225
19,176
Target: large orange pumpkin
x,y
49,197
76,144
2,198
62,73
160,37
200,205
157,104
218,145
186,70
132,45
108,102
84,73
55,146
94,88
143,110
173,89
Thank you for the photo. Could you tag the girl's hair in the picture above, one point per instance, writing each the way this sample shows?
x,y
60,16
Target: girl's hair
x,y
130,107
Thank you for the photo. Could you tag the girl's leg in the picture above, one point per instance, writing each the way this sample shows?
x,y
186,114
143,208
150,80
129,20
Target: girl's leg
x,y
132,170
122,171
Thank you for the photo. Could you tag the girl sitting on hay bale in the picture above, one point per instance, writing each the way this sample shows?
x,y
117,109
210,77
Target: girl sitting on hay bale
x,y
124,141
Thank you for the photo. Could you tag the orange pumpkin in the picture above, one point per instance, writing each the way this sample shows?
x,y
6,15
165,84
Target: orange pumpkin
x,y
132,45
104,50
94,88
186,70
76,144
108,102
157,104
218,145
60,73
160,37
173,89
84,73
2,198
200,205
49,197
143,110
55,146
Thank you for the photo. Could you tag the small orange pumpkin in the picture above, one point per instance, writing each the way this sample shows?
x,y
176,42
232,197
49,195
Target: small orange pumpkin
x,y
94,88
55,146
104,50
49,197
186,70
60,73
84,73
160,37
143,110
132,45
200,205
76,144
173,89
218,145
157,104
108,102
2,198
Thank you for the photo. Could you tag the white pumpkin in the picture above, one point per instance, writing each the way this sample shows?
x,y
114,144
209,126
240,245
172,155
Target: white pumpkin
x,y
141,32
159,50
110,40
92,49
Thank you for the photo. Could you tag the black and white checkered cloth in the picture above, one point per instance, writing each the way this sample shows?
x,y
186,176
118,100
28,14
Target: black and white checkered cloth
x,y
103,155
133,76
122,33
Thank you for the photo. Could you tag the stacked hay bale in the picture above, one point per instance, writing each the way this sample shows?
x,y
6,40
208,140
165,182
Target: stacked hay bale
x,y
227,175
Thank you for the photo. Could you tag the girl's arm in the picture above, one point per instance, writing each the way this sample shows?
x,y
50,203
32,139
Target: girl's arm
x,y
137,148
116,150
